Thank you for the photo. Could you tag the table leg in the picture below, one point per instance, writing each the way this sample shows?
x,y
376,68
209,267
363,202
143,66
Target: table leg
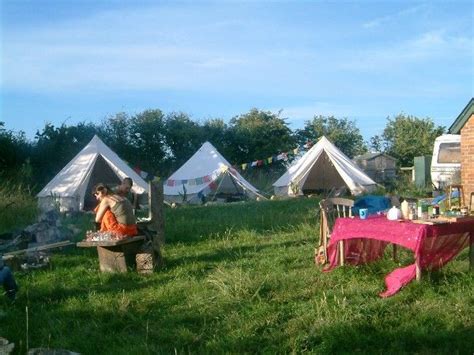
x,y
322,233
417,270
111,259
395,253
341,253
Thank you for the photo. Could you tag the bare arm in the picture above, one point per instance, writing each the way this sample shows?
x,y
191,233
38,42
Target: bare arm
x,y
104,204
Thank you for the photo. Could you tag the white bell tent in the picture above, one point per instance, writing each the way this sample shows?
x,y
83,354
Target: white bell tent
x,y
323,167
207,176
71,188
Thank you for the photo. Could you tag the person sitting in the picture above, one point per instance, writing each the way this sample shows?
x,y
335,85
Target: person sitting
x,y
114,213
125,190
8,281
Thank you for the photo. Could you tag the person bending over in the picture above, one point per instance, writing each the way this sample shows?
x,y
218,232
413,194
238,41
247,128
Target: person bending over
x,y
114,213
125,188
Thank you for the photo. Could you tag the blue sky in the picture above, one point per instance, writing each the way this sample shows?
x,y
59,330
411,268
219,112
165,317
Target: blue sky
x,y
74,61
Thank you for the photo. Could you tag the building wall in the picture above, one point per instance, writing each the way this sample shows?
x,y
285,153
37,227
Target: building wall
x,y
467,158
379,169
380,163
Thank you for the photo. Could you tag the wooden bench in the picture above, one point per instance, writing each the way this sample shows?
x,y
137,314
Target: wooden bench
x,y
116,255
121,255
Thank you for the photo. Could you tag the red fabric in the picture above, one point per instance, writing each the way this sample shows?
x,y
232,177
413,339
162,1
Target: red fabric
x,y
109,224
365,241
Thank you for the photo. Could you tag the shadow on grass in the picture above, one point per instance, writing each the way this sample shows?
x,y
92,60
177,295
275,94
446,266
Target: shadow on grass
x,y
435,337
226,254
195,224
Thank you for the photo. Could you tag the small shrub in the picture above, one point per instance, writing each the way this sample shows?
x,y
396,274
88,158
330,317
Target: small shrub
x,y
18,207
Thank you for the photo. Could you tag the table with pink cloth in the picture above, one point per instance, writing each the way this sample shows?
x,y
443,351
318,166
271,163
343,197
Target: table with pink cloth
x,y
365,241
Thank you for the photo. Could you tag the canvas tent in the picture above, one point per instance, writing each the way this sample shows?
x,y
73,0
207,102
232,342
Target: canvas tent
x,y
71,188
206,176
323,167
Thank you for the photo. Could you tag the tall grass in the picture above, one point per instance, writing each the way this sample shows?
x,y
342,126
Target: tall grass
x,y
17,206
240,278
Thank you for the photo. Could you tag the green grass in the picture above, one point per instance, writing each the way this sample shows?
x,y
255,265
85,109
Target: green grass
x,y
240,278
17,207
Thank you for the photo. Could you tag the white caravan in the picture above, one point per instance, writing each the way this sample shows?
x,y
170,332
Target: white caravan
x,y
446,161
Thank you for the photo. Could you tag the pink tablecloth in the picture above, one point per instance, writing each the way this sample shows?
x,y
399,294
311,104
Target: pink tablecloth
x,y
365,241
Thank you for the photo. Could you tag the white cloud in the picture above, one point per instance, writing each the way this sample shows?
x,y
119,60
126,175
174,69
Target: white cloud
x,y
156,48
395,17
187,48
425,49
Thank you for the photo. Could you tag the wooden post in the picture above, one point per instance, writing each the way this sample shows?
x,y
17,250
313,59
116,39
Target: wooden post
x,y
341,252
323,227
157,221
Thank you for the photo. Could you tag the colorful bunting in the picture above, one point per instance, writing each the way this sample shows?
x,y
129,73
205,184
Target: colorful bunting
x,y
275,158
206,179
191,182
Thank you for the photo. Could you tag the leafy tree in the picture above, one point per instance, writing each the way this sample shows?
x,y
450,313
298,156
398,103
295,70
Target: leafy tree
x,y
56,146
183,138
216,131
376,143
148,141
341,132
406,137
14,152
258,134
115,132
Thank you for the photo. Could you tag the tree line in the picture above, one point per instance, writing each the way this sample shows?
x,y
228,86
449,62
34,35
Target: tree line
x,y
160,143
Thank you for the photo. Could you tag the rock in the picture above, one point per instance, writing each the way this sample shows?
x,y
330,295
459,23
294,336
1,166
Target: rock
x,y
5,346
50,217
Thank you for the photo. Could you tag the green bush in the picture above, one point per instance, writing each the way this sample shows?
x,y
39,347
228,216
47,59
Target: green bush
x,y
18,207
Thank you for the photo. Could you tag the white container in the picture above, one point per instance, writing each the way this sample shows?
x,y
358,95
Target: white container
x,y
405,207
394,213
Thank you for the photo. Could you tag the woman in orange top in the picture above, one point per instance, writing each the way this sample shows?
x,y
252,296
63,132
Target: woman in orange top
x,y
114,213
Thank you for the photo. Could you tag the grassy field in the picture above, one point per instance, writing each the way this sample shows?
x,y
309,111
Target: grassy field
x,y
240,278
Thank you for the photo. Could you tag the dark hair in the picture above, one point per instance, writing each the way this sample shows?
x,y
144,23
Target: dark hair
x,y
102,188
128,180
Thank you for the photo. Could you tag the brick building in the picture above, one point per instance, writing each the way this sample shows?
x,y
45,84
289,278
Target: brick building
x,y
464,125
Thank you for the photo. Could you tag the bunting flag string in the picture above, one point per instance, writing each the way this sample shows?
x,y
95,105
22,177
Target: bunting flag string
x,y
282,156
209,178
145,175
201,179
